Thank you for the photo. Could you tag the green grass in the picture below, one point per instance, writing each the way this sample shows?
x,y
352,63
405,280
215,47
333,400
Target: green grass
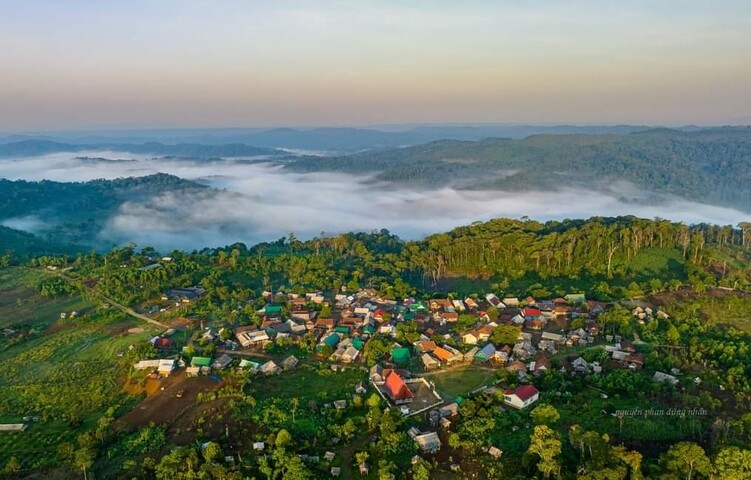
x,y
69,371
461,380
308,382
21,304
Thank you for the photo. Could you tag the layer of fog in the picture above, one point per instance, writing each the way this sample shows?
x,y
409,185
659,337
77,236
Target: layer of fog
x,y
261,202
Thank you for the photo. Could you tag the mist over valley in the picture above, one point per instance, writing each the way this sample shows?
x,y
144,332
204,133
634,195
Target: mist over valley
x,y
257,198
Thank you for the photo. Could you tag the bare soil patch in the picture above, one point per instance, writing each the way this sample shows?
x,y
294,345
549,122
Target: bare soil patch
x,y
162,404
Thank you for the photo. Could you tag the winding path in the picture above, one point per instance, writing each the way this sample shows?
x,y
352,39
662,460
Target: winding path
x,y
122,308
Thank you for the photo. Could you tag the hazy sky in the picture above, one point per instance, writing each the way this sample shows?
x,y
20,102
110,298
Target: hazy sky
x,y
172,63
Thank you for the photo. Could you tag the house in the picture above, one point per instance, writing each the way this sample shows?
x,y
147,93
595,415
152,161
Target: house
x,y
445,355
426,346
245,363
440,303
450,317
161,342
511,302
330,341
634,361
340,404
484,333
471,303
534,323
522,397
470,355
428,442
429,362
517,366
456,355
459,305
619,355
470,338
397,390
350,354
290,362
555,337
575,298
494,300
664,378
376,373
524,349
270,368
541,364
627,346
500,356
450,410
495,452
580,366
185,295
145,364
200,362
485,353
248,336
400,355
221,362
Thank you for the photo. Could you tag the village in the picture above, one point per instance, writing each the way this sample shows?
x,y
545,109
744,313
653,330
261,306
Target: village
x,y
405,346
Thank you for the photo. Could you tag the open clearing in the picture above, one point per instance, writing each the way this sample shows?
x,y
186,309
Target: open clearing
x,y
21,304
163,406
460,381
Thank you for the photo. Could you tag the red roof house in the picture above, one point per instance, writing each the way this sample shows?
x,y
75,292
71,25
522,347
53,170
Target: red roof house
x,y
523,396
397,390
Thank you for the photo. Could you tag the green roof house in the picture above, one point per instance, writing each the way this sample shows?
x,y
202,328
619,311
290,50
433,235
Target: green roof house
x,y
575,298
400,355
358,343
200,362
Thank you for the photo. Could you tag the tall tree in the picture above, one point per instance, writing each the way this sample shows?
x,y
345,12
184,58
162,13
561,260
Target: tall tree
x,y
546,444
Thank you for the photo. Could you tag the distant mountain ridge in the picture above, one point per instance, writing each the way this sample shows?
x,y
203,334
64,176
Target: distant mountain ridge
x,y
337,139
35,147
708,166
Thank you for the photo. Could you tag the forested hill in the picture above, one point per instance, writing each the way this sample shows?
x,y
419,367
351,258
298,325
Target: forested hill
x,y
609,258
709,166
73,212
27,148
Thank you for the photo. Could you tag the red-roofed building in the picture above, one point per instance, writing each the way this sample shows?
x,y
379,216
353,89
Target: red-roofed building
x,y
162,342
397,390
522,397
531,312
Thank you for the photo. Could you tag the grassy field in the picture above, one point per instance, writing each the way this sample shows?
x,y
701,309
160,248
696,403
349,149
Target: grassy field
x,y
21,304
66,371
308,381
461,380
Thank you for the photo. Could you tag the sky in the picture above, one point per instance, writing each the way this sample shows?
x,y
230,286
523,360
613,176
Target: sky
x,y
187,63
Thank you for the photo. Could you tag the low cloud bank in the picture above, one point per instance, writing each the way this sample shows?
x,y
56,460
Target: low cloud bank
x,y
260,202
